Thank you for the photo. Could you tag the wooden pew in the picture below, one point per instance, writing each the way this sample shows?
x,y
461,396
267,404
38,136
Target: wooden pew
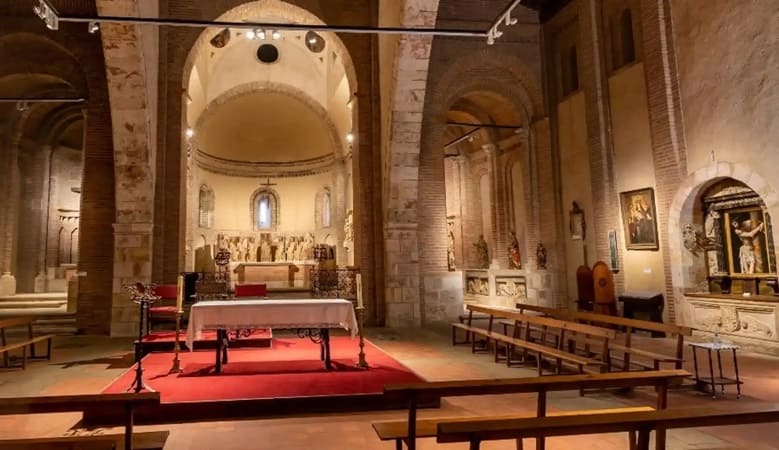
x,y
640,422
629,326
24,343
71,403
540,350
419,393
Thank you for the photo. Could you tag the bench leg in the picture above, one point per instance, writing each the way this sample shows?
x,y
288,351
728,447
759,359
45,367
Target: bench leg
x,y
475,444
32,350
539,364
643,440
48,349
398,444
519,444
24,358
128,426
632,439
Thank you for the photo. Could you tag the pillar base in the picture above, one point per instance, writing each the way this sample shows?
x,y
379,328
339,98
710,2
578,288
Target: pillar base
x,y
7,284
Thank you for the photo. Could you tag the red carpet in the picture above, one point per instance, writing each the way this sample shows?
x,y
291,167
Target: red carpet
x,y
290,368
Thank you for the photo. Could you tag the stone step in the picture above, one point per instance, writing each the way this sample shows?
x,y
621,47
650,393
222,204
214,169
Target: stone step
x,y
41,304
34,297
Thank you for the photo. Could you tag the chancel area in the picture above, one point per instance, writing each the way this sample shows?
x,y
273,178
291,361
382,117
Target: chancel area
x,y
374,224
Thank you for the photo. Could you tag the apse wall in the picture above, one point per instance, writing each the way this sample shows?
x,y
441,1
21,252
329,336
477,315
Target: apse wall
x,y
296,195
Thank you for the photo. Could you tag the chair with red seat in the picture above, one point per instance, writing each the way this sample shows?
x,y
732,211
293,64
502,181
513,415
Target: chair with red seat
x,y
164,309
251,290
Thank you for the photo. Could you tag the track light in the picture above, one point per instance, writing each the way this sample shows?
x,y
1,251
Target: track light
x,y
21,106
276,35
251,34
312,40
93,27
190,132
350,138
261,34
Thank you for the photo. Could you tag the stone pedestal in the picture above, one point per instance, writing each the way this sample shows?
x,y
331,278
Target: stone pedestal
x,y
7,284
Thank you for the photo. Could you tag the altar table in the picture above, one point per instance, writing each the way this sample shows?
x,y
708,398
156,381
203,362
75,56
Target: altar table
x,y
305,315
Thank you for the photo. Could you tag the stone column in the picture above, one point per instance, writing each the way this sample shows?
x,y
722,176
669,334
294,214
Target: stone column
x,y
132,263
9,191
402,275
497,244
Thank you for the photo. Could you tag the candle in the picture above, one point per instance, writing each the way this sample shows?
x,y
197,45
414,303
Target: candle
x,y
359,291
180,294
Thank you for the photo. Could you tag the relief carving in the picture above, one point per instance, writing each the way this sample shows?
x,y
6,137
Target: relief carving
x,y
729,319
478,286
511,287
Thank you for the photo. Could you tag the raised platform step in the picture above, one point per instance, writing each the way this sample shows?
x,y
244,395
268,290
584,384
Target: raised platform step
x,y
35,297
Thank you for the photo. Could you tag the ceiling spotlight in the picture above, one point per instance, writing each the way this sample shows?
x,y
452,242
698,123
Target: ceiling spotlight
x,y
261,34
312,40
46,13
190,132
21,106
350,138
251,34
276,35
93,27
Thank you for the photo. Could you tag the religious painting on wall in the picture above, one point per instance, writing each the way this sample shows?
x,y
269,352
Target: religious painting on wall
x,y
639,219
746,241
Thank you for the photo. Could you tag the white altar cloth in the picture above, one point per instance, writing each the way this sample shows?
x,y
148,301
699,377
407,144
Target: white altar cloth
x,y
287,313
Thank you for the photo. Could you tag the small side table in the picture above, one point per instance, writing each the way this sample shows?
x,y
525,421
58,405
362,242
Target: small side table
x,y
702,382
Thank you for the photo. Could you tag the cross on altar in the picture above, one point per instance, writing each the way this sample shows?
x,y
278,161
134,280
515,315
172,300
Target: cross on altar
x,y
268,183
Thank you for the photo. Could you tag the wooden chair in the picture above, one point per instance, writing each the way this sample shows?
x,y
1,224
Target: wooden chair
x,y
22,344
164,309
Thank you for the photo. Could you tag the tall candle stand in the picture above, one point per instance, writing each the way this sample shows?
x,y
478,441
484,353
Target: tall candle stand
x,y
176,368
361,362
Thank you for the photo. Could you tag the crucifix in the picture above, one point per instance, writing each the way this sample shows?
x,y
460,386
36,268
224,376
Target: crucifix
x,y
268,183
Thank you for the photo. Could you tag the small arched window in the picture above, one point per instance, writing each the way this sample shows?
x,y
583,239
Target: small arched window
x,y
206,207
627,42
265,209
569,64
327,209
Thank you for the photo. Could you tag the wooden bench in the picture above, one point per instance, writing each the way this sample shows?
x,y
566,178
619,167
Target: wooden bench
x,y
540,350
419,393
638,422
24,343
629,326
71,403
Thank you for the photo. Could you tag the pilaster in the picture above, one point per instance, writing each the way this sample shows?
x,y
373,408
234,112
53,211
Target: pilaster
x,y
132,263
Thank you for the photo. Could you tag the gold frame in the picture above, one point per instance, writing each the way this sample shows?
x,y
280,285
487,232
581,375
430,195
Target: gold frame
x,y
624,205
729,244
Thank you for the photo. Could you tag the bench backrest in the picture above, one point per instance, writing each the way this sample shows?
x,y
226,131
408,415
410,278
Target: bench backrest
x,y
437,389
494,429
545,321
71,403
16,322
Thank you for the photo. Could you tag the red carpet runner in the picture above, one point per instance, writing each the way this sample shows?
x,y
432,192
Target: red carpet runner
x,y
290,368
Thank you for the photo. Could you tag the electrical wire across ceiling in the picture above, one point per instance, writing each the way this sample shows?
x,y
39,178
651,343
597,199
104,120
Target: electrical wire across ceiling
x,y
46,11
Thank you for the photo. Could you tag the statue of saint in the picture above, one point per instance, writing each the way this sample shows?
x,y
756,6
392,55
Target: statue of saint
x,y
482,253
541,256
749,260
450,247
348,230
515,260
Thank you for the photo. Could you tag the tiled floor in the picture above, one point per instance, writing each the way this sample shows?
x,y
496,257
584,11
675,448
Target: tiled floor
x,y
87,364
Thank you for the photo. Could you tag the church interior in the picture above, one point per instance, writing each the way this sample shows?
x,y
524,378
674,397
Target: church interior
x,y
375,224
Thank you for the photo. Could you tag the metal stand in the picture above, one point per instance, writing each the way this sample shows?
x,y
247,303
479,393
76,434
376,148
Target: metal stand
x,y
176,368
138,385
361,362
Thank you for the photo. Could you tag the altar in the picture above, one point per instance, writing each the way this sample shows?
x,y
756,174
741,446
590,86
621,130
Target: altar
x,y
275,275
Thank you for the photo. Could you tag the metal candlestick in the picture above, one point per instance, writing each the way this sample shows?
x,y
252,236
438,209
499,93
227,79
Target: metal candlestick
x,y
361,362
176,368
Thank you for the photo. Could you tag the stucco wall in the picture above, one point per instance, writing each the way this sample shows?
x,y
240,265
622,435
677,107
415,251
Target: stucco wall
x,y
643,269
729,80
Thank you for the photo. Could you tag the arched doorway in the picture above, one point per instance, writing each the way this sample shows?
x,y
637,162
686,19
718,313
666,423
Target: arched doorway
x,y
269,124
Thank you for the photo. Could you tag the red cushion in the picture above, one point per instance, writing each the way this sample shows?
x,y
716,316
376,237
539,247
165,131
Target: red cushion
x,y
251,290
166,290
163,310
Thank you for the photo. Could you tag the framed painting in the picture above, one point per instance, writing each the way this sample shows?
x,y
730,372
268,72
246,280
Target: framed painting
x,y
747,247
639,219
